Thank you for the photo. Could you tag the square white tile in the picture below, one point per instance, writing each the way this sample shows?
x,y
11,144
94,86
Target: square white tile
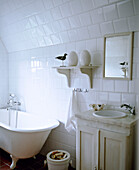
x,y
48,40
102,98
98,3
40,31
56,26
56,13
73,35
97,84
108,85
136,6
74,21
85,19
87,5
40,18
83,33
121,86
48,16
133,23
48,4
57,2
114,98
66,10
55,39
76,7
64,37
91,45
110,12
94,31
41,41
48,29
129,99
121,25
33,21
97,16
64,24
125,8
80,46
107,28
100,44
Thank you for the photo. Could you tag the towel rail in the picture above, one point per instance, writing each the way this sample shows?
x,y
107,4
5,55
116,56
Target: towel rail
x,y
80,90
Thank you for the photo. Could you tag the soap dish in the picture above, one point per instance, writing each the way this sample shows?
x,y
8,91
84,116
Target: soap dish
x,y
97,107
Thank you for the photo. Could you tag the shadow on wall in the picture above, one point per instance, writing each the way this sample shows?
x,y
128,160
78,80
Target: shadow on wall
x,y
4,88
60,139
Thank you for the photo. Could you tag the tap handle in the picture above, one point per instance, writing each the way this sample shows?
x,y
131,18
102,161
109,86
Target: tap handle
x,y
12,95
134,110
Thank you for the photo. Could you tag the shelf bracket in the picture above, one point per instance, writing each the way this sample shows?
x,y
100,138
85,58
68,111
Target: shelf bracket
x,y
87,71
83,69
66,72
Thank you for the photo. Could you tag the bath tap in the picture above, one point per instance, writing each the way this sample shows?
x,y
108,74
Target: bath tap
x,y
129,108
6,107
17,103
9,106
13,101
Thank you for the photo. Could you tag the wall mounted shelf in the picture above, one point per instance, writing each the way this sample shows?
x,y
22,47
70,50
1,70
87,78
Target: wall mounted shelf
x,y
84,69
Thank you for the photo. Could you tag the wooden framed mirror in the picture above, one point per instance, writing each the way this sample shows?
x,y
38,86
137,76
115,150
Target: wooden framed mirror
x,y
118,56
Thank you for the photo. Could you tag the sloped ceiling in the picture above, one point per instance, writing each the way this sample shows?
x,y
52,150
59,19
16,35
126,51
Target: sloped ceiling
x,y
27,24
22,23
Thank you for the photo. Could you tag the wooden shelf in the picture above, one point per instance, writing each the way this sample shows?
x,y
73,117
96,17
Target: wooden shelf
x,y
84,69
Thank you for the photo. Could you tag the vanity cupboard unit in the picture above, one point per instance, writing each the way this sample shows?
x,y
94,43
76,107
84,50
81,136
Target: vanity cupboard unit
x,y
104,144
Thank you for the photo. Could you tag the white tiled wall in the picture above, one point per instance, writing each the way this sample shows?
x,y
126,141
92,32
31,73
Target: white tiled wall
x,y
4,91
36,31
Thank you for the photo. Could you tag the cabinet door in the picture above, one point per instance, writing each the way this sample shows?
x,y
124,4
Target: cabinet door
x,y
87,152
112,151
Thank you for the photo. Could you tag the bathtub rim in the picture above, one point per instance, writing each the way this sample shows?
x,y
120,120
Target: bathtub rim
x,y
27,130
55,124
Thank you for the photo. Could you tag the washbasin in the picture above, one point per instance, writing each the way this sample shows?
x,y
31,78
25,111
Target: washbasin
x,y
113,114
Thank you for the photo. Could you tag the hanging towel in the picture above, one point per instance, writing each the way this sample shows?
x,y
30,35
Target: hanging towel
x,y
73,109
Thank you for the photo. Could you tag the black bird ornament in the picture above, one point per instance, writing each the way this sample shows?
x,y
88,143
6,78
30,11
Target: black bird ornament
x,y
62,58
122,63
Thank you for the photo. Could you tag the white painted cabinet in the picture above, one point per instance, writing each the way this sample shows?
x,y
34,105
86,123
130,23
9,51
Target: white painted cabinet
x,y
87,150
103,147
114,151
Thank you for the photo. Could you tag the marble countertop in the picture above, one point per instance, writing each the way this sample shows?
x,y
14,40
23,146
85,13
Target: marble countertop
x,y
126,122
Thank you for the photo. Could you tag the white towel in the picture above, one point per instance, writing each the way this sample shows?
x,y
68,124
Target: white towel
x,y
73,109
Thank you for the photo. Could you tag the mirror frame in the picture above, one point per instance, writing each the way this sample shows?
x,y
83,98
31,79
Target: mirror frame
x,y
131,34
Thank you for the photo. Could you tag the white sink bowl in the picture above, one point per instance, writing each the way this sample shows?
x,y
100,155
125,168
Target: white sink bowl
x,y
111,114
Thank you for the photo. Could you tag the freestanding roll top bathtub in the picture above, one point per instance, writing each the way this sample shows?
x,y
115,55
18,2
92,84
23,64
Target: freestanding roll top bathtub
x,y
22,135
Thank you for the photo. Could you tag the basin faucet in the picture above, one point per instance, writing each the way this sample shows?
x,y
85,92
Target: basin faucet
x,y
129,108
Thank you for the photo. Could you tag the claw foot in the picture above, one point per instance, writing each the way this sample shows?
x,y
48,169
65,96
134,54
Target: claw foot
x,y
14,161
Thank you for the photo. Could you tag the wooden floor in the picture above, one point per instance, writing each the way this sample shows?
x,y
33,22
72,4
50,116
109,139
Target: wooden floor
x,y
23,164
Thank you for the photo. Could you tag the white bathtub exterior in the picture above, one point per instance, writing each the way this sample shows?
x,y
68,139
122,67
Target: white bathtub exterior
x,y
24,137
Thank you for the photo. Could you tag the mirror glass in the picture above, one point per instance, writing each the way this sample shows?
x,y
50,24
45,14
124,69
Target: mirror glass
x,y
118,56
